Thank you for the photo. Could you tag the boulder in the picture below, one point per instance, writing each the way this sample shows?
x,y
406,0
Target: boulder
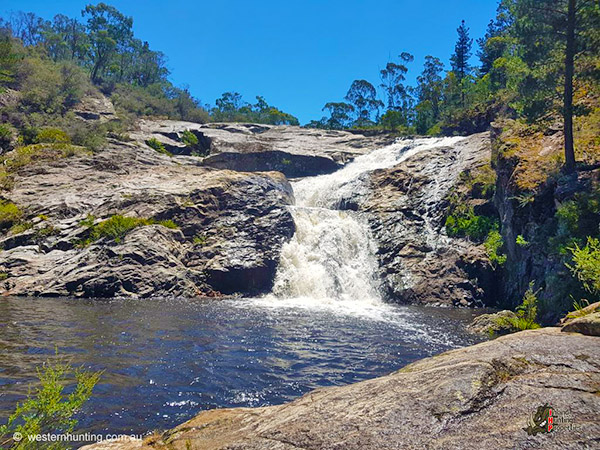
x,y
493,324
588,324
480,397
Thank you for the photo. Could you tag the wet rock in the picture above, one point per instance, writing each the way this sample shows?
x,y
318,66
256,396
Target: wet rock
x,y
231,226
493,324
479,397
405,206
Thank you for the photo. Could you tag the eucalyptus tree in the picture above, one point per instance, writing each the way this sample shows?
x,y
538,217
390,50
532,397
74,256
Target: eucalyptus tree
x,y
109,31
363,97
340,115
429,94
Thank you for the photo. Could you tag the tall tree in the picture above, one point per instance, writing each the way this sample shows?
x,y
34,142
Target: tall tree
x,y
27,27
491,45
340,115
429,94
554,34
460,59
392,81
109,31
462,52
363,96
66,39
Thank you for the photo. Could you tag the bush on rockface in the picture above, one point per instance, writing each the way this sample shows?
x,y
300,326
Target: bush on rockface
x,y
526,313
158,146
586,264
117,227
52,136
10,214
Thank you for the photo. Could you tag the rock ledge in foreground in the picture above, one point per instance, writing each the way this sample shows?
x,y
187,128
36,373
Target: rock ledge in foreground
x,y
479,397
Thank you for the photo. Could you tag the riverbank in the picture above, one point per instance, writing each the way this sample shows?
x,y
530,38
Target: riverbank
x,y
478,397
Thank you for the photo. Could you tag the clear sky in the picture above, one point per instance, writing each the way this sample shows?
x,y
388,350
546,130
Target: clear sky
x,y
297,54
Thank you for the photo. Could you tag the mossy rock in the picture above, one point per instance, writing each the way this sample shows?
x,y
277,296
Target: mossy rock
x,y
493,324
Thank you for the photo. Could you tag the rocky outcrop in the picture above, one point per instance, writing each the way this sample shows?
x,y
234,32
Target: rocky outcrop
x,y
479,397
406,206
95,107
294,151
495,324
588,324
529,191
230,227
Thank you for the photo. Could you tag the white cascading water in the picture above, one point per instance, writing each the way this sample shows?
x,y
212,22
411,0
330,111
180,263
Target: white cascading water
x,y
330,262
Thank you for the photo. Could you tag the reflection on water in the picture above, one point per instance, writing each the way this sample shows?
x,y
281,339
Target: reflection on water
x,y
166,360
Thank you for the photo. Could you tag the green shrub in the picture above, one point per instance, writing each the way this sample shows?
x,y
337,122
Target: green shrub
x,y
521,241
463,222
200,239
576,219
493,243
526,313
49,409
118,226
586,264
10,214
158,146
6,136
189,139
52,136
20,227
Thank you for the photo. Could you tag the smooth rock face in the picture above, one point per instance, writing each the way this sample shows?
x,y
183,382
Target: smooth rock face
x,y
479,397
294,151
406,206
232,226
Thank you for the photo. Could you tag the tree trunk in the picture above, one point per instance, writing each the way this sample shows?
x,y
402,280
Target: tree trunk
x,y
568,93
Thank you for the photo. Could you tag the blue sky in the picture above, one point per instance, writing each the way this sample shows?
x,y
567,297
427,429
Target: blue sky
x,y
297,54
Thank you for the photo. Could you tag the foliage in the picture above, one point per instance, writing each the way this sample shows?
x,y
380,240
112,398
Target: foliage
x,y
116,227
526,313
363,97
462,53
10,214
158,146
6,137
20,227
230,107
493,243
576,220
521,241
49,409
586,264
189,139
399,101
52,136
463,222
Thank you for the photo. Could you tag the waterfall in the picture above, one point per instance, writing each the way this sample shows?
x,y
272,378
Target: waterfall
x,y
331,258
